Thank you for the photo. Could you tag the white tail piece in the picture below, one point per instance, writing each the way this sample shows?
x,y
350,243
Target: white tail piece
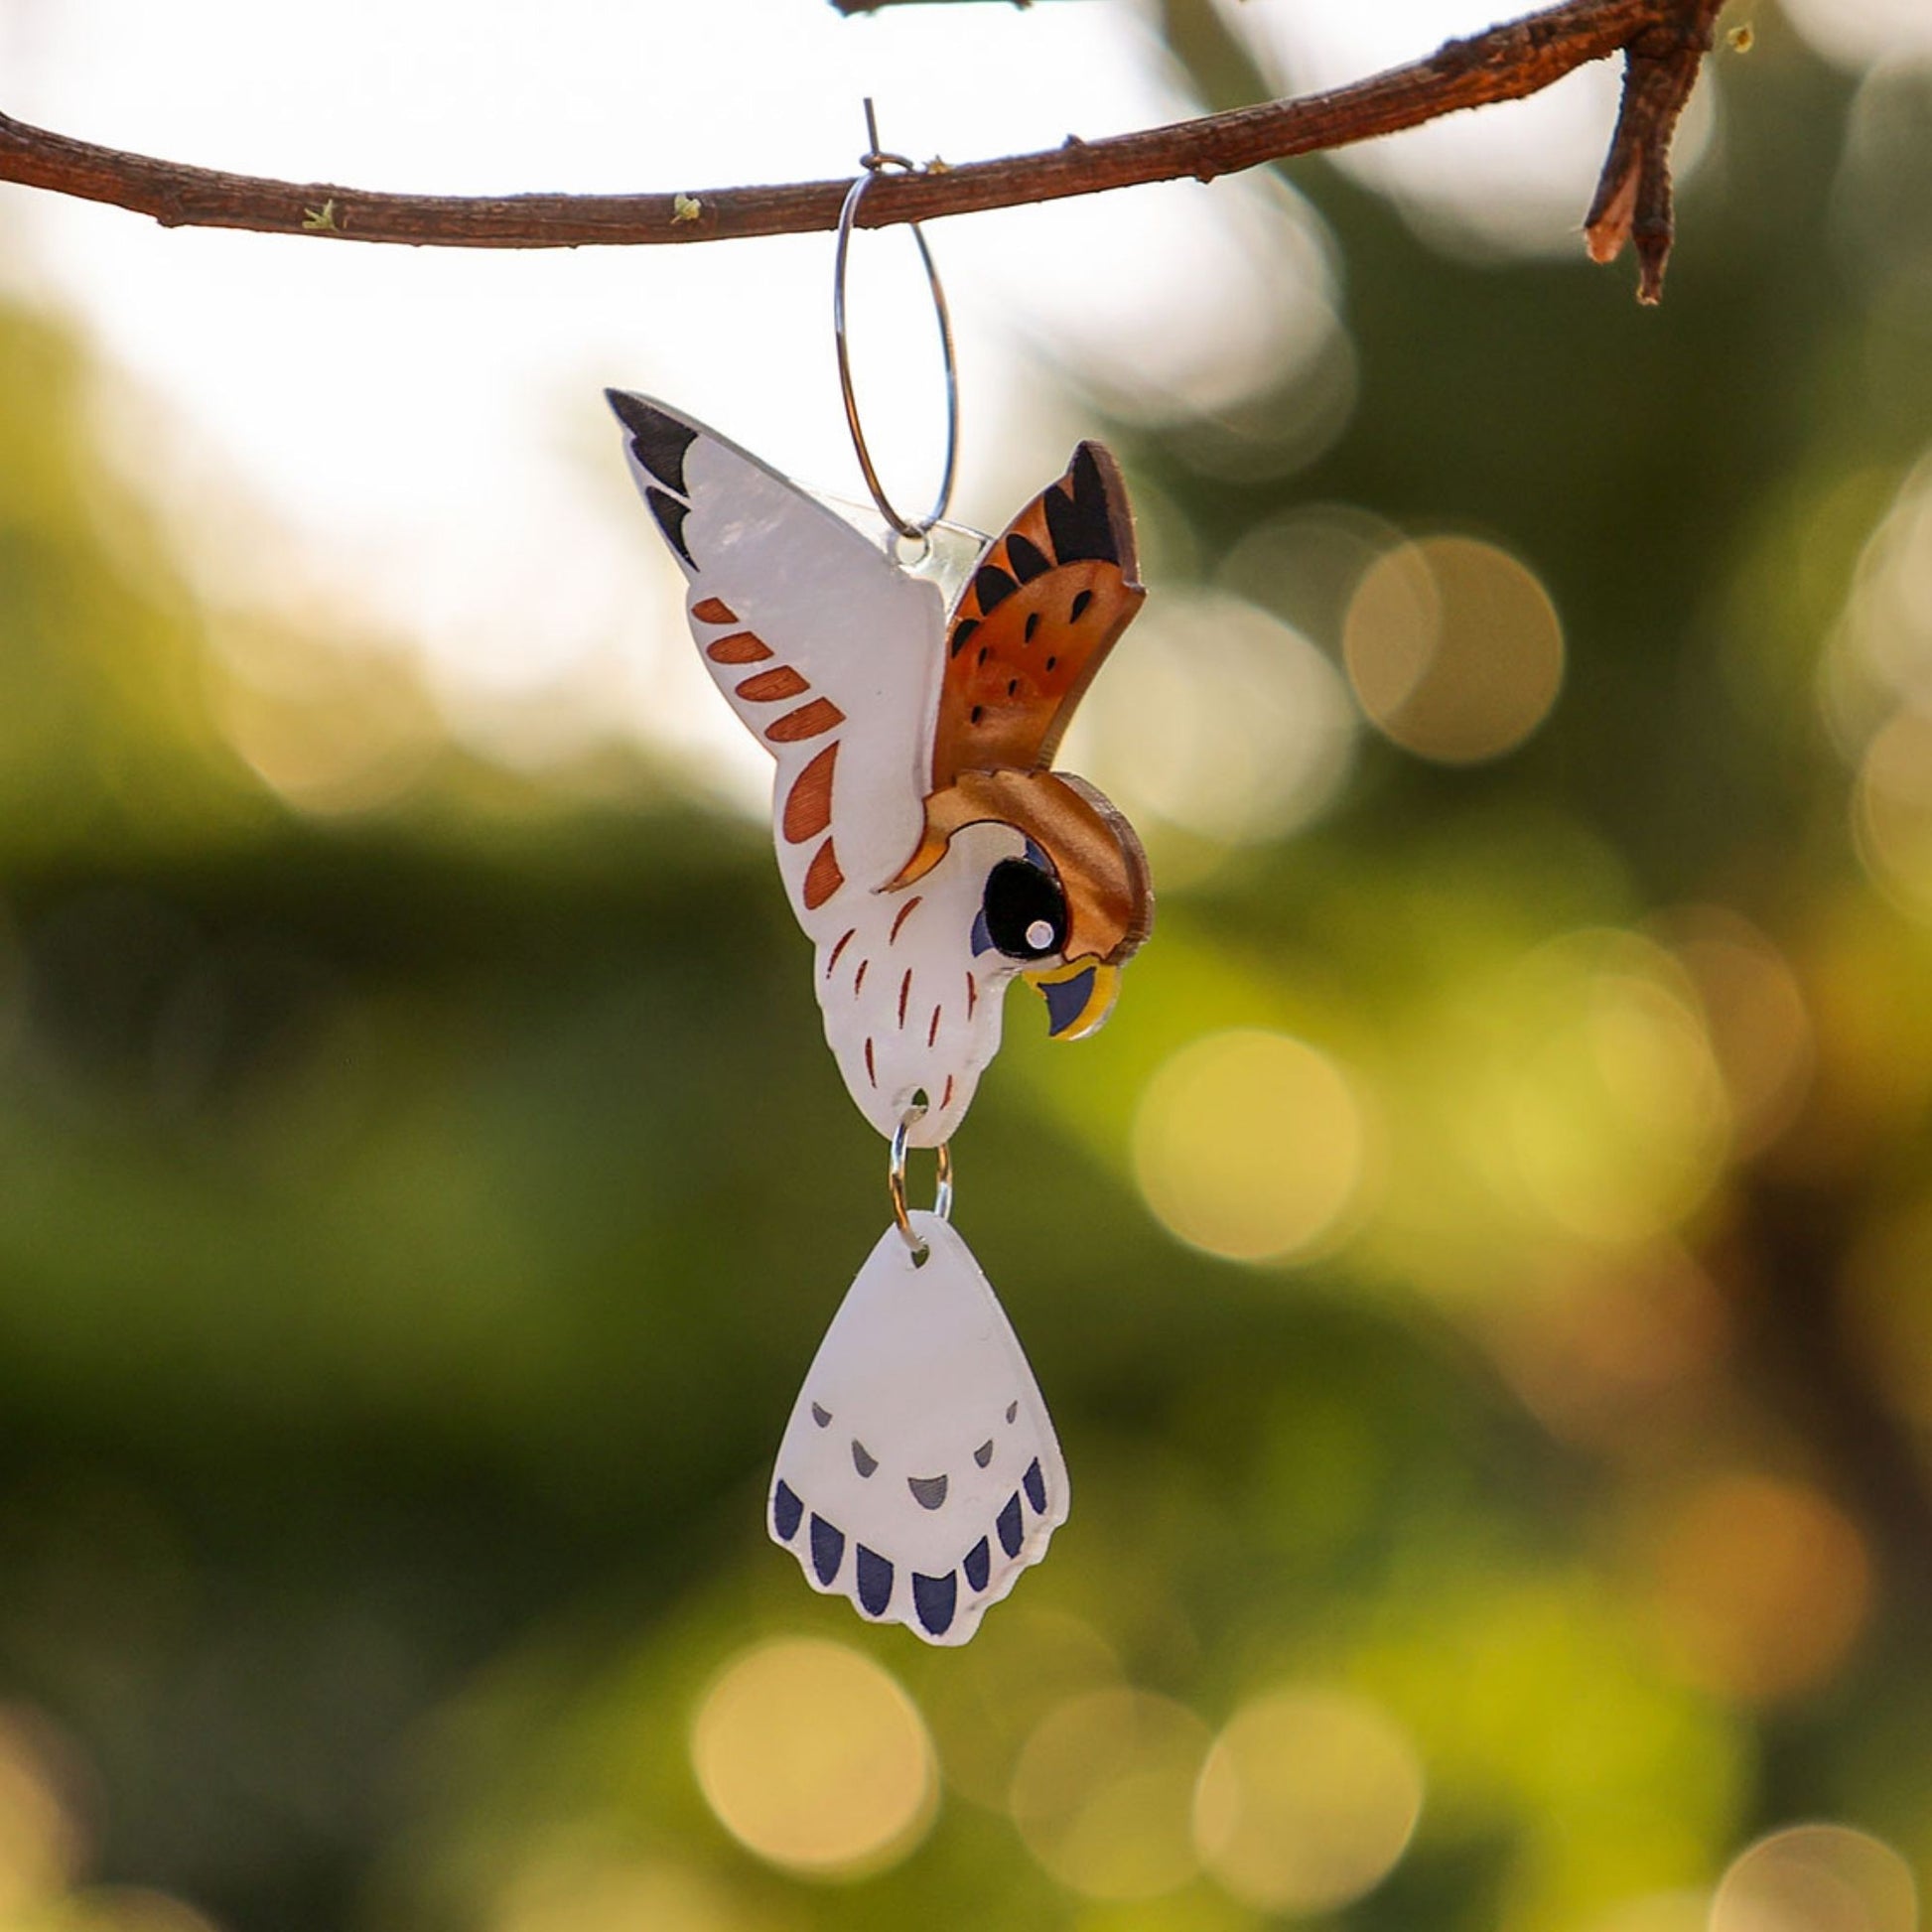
x,y
919,1474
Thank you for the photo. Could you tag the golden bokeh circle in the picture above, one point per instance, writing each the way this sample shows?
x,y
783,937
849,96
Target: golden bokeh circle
x,y
41,1840
1219,720
1613,1118
1763,1586
1103,1793
1817,1878
1307,1801
1656,1911
1251,1145
584,1887
1893,811
1454,649
1757,1019
984,1701
815,1760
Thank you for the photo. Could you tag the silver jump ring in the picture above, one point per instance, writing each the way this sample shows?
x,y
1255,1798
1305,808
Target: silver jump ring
x,y
896,1182
873,162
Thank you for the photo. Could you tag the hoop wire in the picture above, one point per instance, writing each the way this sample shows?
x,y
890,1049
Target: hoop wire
x,y
871,162
896,1182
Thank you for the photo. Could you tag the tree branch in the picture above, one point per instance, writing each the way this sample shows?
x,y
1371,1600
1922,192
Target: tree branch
x,y
1633,198
1663,42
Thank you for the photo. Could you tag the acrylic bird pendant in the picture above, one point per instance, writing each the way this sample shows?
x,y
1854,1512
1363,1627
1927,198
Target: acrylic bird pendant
x,y
923,1446
931,856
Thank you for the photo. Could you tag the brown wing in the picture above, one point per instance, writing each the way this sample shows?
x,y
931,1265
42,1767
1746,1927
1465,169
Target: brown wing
x,y
1033,627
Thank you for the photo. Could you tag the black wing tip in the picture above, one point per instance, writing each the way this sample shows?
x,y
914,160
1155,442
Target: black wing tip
x,y
670,514
630,409
991,585
1087,512
658,437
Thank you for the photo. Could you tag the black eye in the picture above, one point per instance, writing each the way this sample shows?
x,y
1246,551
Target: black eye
x,y
1024,911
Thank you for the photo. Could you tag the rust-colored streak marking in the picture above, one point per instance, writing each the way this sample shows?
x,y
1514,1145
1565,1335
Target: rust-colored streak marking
x,y
741,647
808,804
714,609
972,995
945,1099
844,941
822,877
806,722
904,912
767,687
932,1032
859,978
905,992
872,1073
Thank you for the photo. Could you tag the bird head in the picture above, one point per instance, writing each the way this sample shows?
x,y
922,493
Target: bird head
x,y
1070,908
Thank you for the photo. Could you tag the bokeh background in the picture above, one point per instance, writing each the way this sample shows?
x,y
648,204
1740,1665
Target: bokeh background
x,y
1482,1275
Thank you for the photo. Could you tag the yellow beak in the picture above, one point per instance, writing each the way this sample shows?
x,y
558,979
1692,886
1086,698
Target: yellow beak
x,y
1078,997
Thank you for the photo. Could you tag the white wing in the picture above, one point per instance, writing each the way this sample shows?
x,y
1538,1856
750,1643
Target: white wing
x,y
919,1474
827,651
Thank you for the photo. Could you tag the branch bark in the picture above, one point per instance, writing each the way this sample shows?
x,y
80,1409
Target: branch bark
x,y
1633,198
1663,42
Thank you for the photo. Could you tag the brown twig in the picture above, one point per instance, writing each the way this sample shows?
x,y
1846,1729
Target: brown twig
x,y
1633,198
1663,41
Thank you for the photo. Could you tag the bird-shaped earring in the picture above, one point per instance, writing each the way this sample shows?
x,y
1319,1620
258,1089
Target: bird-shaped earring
x,y
933,857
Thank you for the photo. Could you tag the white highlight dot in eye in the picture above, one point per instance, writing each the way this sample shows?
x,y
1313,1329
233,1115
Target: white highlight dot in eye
x,y
1039,935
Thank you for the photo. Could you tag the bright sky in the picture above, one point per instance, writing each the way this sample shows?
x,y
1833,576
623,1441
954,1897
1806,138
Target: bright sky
x,y
417,436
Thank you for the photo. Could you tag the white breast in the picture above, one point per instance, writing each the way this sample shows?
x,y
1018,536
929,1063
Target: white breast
x,y
908,1007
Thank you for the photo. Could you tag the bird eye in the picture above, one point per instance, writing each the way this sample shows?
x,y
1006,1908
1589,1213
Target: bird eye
x,y
1024,911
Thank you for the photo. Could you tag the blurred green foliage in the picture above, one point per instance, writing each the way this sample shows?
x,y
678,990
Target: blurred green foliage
x,y
404,1271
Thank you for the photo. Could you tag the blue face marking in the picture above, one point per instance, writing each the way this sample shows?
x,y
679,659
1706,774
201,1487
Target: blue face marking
x,y
982,939
1066,999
